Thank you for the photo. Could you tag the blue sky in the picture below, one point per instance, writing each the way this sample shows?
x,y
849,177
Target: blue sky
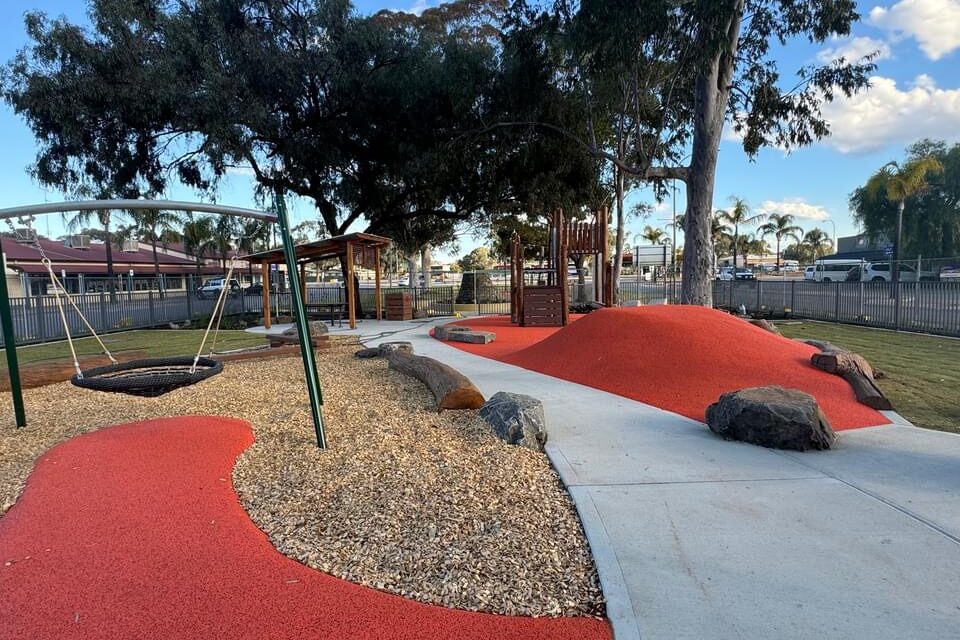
x,y
915,94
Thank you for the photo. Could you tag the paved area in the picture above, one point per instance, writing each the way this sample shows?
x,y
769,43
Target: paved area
x,y
699,538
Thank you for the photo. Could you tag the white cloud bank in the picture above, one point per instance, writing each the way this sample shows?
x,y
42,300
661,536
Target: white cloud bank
x,y
796,207
855,50
934,24
887,114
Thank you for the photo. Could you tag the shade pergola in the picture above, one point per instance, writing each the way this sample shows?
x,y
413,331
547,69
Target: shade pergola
x,y
361,249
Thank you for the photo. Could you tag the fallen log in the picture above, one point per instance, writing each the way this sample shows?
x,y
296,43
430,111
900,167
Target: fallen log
x,y
765,325
853,368
451,388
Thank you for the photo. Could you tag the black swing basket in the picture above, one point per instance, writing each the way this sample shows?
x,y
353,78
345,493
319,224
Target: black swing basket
x,y
148,378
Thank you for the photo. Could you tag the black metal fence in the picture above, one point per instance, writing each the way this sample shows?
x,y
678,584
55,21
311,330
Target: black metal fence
x,y
928,307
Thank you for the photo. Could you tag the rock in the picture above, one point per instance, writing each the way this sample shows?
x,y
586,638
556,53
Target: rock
x,y
317,328
631,303
386,348
516,419
771,417
443,331
473,337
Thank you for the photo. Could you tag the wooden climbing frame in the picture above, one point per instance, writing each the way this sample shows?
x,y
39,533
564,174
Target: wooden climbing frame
x,y
548,305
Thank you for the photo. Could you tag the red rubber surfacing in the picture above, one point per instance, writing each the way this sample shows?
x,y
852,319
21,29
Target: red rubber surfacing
x,y
678,358
135,532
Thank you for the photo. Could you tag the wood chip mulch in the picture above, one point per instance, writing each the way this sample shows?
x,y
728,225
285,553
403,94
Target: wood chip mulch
x,y
429,506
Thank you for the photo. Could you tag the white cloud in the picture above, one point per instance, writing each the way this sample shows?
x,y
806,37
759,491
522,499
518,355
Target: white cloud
x,y
884,115
855,49
935,24
796,207
419,6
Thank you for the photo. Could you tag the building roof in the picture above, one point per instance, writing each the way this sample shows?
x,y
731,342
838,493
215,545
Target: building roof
x,y
27,258
321,249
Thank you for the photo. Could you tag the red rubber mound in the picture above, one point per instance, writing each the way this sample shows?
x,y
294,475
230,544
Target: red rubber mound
x,y
136,532
679,358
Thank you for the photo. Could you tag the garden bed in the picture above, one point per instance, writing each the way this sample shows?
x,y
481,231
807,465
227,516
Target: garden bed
x,y
429,506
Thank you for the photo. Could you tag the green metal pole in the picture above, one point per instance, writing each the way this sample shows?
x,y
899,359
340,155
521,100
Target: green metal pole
x,y
303,328
10,345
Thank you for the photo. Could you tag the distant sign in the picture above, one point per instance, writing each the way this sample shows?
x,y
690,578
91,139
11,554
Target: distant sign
x,y
888,250
652,256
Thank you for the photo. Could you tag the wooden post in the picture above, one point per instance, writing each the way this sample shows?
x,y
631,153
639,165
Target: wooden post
x,y
604,233
379,302
351,301
265,271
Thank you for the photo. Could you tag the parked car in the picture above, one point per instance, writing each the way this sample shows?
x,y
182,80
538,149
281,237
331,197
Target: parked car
x,y
739,273
212,287
880,272
810,273
949,273
257,289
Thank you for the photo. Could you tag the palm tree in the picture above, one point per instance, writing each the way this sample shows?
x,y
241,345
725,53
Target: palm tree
x,y
818,241
254,236
780,226
156,227
198,239
105,219
739,214
897,183
654,235
225,230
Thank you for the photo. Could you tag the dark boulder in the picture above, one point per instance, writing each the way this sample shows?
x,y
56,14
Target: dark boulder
x,y
516,419
771,417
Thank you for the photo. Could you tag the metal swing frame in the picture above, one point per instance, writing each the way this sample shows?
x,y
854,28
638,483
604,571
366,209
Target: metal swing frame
x,y
280,218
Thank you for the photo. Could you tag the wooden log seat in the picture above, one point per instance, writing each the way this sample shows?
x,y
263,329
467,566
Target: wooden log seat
x,y
451,388
853,368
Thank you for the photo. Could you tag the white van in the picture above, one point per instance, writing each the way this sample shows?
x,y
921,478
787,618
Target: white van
x,y
831,270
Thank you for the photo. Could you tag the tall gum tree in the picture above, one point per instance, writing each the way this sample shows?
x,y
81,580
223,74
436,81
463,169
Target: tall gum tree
x,y
720,71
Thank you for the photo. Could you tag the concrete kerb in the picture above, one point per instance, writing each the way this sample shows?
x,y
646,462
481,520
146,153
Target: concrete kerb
x,y
619,606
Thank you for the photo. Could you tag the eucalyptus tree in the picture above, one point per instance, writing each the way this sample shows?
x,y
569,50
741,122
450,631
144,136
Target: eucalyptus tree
x,y
698,65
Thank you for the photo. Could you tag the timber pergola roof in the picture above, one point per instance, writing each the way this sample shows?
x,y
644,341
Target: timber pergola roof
x,y
322,249
362,247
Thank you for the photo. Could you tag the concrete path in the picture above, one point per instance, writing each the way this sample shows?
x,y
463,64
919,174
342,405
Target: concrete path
x,y
695,537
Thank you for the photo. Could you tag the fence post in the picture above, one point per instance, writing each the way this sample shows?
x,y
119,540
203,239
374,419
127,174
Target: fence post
x,y
836,302
153,320
103,311
759,294
40,317
860,301
189,293
476,298
793,296
896,305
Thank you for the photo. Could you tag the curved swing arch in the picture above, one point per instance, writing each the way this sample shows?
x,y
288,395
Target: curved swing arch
x,y
309,364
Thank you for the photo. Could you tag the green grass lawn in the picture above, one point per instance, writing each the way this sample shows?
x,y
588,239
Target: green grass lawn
x,y
156,343
922,373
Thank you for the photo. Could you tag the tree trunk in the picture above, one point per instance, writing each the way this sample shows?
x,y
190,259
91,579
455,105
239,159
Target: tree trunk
x,y
895,266
412,270
107,240
712,94
618,249
425,265
778,254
